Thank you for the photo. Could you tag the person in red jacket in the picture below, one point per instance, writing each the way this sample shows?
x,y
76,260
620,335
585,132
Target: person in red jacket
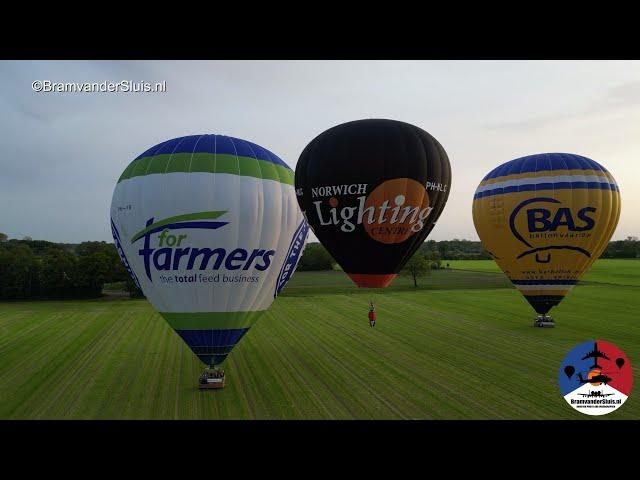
x,y
372,315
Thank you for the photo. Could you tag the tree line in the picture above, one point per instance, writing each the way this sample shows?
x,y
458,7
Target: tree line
x,y
40,269
627,248
316,257
432,255
427,258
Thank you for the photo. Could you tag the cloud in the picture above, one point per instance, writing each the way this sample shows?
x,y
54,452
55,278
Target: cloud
x,y
617,99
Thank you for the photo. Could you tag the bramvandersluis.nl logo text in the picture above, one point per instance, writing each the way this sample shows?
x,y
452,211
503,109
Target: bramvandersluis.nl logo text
x,y
592,401
166,251
122,86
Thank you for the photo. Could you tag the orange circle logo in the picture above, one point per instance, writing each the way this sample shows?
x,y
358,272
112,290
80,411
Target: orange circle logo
x,y
395,210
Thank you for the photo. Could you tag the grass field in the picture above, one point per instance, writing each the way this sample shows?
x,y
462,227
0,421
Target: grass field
x,y
459,347
613,271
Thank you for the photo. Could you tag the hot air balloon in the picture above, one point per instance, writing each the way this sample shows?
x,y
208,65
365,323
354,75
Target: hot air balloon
x,y
372,191
209,229
545,219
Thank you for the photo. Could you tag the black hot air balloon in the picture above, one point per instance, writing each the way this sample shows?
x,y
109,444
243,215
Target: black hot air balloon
x,y
372,191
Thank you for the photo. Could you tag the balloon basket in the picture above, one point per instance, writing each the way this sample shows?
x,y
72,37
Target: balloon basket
x,y
211,378
544,321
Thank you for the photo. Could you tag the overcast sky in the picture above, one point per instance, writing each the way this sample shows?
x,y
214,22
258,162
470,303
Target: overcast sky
x,y
61,153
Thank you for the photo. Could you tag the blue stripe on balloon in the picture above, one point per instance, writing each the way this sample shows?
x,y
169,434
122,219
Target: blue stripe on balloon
x,y
544,282
547,186
212,346
543,162
218,144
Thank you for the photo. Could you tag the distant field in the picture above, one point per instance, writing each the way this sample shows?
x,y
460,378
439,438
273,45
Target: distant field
x,y
614,271
114,287
305,283
461,346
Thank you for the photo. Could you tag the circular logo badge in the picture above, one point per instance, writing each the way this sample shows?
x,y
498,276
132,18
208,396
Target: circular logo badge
x,y
404,207
595,377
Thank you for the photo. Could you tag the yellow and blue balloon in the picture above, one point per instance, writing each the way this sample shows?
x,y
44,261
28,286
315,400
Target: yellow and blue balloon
x,y
545,219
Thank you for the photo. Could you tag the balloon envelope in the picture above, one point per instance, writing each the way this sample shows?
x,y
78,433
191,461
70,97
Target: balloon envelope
x,y
545,219
372,191
209,229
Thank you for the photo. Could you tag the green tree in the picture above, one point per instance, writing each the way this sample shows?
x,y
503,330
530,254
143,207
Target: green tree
x,y
116,271
315,257
91,273
434,259
3,237
628,248
19,270
132,288
417,267
5,264
87,248
443,248
58,267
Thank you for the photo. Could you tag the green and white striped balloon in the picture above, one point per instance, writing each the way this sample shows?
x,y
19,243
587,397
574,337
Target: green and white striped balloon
x,y
209,228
